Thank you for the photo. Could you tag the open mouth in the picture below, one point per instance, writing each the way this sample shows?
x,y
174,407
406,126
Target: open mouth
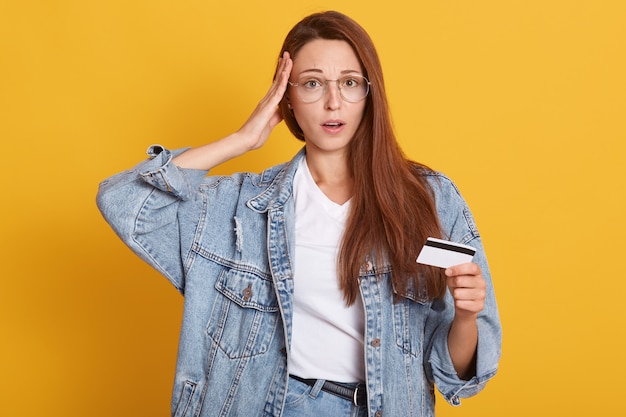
x,y
333,126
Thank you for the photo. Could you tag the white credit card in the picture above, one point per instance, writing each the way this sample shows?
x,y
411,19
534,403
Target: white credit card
x,y
444,254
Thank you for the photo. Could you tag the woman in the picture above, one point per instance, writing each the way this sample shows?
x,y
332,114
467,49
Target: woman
x,y
302,294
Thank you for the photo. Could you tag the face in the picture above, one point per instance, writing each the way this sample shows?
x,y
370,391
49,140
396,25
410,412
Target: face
x,y
329,123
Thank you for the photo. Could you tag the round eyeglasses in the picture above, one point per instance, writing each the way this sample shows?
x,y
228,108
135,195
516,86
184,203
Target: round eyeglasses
x,y
352,88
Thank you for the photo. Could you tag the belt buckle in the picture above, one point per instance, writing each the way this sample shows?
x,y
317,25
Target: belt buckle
x,y
354,396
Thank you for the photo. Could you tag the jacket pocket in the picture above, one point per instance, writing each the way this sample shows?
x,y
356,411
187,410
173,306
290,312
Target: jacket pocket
x,y
409,317
245,314
184,400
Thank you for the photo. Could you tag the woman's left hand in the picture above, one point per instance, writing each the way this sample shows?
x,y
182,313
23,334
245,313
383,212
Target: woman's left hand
x,y
468,288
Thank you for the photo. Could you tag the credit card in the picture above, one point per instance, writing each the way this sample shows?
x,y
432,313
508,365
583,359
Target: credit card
x,y
444,254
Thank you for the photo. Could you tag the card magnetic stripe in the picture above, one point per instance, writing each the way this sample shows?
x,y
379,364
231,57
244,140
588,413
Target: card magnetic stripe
x,y
453,248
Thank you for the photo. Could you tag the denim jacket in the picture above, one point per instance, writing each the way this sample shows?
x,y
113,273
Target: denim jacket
x,y
227,243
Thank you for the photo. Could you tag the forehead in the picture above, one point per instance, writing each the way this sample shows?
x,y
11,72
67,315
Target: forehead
x,y
327,57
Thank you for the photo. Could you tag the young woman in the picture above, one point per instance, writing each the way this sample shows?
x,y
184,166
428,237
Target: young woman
x,y
302,293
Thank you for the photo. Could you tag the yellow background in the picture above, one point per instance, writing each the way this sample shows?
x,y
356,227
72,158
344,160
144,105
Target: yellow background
x,y
522,103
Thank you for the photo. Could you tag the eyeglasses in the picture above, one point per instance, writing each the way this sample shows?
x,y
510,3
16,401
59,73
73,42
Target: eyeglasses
x,y
352,88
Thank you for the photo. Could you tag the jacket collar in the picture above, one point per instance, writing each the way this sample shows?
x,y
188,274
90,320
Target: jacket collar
x,y
280,188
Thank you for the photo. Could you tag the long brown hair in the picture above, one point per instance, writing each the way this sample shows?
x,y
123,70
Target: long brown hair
x,y
392,208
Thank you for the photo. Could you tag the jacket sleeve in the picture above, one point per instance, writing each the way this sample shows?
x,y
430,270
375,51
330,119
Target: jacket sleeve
x,y
142,206
458,223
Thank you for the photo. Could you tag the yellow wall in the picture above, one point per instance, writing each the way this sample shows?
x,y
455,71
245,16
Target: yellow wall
x,y
521,102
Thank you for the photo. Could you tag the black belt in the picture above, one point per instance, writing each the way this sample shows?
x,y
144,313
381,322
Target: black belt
x,y
358,394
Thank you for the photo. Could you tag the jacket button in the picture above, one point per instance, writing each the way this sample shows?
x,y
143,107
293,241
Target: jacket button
x,y
378,413
368,266
247,293
375,342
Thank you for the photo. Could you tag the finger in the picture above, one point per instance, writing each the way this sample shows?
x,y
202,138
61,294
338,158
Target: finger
x,y
283,73
468,293
279,86
469,268
286,64
468,306
267,115
469,282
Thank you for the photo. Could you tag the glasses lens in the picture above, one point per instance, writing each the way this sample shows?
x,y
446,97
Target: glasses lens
x,y
354,88
310,89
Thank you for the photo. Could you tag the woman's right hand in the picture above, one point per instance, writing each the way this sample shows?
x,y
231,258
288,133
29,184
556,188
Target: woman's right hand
x,y
252,135
267,115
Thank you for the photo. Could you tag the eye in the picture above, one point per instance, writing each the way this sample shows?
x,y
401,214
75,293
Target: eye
x,y
311,84
350,82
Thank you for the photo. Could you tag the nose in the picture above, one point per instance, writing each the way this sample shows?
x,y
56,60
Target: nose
x,y
332,95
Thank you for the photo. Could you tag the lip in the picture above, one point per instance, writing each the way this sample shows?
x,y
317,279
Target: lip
x,y
333,126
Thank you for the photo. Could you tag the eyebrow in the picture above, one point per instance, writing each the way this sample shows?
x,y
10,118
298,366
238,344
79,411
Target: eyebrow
x,y
319,71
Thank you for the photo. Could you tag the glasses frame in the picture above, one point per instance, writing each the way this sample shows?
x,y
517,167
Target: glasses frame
x,y
325,88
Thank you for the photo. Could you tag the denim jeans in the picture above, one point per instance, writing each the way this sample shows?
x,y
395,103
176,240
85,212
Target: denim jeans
x,y
306,401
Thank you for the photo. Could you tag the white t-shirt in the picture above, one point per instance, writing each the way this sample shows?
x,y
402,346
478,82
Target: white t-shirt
x,y
327,340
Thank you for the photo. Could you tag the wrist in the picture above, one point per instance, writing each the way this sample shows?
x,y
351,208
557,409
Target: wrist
x,y
242,142
464,318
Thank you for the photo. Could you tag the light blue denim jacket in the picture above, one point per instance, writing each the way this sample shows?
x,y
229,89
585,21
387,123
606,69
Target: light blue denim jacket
x,y
227,244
